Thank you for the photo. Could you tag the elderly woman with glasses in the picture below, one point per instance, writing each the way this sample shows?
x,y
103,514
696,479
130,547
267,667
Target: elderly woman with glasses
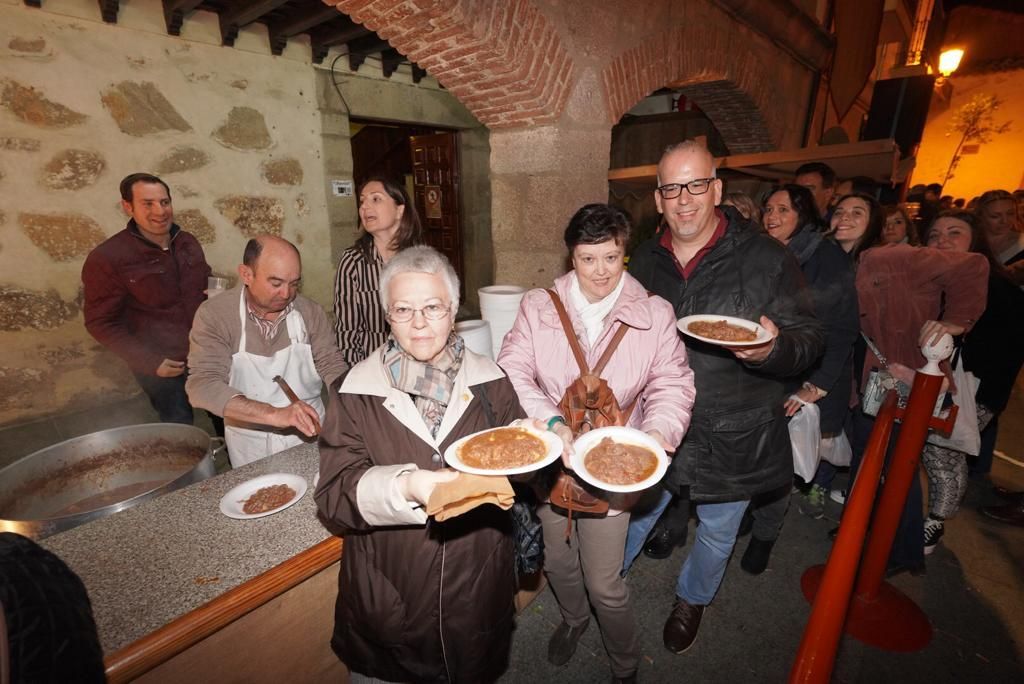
x,y
418,600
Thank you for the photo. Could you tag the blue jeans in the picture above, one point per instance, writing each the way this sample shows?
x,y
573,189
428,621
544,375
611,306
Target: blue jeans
x,y
704,568
641,521
168,398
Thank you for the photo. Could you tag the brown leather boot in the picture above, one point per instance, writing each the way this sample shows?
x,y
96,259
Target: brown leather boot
x,y
682,625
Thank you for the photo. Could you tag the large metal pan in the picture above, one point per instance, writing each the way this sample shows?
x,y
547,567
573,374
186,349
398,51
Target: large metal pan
x,y
92,476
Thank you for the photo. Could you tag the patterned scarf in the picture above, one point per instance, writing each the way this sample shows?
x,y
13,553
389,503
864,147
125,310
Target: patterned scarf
x,y
429,384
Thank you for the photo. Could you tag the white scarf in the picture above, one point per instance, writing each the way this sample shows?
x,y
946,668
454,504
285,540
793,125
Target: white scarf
x,y
593,315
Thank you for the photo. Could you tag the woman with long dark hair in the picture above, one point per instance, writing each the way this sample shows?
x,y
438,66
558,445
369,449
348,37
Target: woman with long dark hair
x,y
790,216
388,223
993,352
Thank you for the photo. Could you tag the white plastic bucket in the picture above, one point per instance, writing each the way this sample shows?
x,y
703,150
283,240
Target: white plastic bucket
x,y
477,336
499,305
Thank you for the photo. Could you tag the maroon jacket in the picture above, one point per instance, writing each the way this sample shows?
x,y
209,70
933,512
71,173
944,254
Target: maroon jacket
x,y
140,299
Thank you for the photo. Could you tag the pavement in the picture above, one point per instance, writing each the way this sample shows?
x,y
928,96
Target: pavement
x,y
972,593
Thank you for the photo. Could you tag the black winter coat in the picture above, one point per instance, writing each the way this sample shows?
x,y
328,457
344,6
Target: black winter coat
x,y
738,442
993,349
828,271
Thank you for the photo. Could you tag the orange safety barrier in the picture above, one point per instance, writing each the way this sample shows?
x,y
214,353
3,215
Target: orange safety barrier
x,y
879,614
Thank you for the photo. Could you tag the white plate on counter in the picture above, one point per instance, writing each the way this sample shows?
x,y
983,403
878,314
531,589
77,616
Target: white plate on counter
x,y
623,435
550,439
232,502
762,335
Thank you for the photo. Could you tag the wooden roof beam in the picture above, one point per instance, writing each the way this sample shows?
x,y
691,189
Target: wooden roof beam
x,y
108,9
361,48
326,37
175,11
231,20
389,61
281,31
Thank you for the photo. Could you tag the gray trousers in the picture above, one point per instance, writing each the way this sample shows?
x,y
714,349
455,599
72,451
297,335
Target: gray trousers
x,y
589,565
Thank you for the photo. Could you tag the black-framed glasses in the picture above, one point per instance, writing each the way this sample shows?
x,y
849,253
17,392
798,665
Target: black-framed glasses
x,y
404,314
698,186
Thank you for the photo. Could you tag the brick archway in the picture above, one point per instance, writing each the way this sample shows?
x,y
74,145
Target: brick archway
x,y
503,60
727,82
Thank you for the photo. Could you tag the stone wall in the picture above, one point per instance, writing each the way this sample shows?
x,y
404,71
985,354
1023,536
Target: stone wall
x,y
243,139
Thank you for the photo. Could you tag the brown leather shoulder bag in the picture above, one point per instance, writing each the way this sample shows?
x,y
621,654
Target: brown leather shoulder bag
x,y
587,403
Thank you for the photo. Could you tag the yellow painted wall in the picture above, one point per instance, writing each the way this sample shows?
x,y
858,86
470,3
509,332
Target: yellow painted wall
x,y
998,164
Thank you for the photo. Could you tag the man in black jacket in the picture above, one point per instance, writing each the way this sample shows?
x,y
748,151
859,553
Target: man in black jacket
x,y
710,260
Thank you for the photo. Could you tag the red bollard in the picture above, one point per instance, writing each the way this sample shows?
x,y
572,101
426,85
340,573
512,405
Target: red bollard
x,y
880,614
829,586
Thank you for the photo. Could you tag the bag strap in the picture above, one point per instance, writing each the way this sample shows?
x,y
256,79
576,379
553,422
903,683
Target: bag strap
x,y
575,343
876,351
570,333
610,349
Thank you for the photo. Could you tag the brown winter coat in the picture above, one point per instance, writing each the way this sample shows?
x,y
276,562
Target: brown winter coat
x,y
418,600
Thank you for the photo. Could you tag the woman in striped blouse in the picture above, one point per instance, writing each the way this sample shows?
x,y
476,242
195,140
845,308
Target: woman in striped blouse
x,y
389,223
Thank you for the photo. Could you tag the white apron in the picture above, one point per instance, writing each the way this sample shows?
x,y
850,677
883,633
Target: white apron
x,y
253,376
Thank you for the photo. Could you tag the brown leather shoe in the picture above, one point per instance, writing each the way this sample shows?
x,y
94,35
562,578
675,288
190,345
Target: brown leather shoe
x,y
1011,514
682,625
563,642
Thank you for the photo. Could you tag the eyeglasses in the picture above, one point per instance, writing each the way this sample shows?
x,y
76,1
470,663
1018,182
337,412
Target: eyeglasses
x,y
404,314
698,186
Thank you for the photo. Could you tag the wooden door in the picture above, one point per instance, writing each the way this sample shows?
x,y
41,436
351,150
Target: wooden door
x,y
435,173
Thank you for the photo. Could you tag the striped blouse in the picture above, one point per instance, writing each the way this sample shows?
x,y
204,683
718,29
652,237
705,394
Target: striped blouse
x,y
360,325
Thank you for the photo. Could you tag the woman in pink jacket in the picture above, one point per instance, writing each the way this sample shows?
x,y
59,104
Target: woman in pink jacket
x,y
648,371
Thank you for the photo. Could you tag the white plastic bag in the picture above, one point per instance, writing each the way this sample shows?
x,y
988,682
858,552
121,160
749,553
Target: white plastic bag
x,y
805,434
836,450
965,436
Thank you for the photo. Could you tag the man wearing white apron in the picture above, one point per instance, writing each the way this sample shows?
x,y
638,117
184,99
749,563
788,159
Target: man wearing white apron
x,y
245,338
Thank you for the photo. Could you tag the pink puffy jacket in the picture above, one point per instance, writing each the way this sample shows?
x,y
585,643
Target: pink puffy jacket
x,y
649,362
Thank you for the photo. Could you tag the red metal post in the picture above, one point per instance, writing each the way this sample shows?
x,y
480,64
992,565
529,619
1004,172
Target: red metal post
x,y
902,469
829,586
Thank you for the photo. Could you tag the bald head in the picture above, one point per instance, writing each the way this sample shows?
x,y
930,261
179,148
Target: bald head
x,y
687,195
690,149
272,271
254,248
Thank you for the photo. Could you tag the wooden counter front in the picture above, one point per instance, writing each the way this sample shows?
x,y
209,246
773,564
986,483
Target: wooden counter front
x,y
274,628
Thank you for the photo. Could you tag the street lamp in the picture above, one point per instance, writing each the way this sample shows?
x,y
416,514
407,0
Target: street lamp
x,y
949,60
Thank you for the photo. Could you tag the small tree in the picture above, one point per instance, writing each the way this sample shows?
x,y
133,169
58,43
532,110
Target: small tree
x,y
975,122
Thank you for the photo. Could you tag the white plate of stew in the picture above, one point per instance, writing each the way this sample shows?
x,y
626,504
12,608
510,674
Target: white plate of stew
x,y
504,451
233,504
619,459
757,334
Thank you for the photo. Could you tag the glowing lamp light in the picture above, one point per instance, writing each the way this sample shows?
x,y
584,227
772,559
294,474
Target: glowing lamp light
x,y
949,60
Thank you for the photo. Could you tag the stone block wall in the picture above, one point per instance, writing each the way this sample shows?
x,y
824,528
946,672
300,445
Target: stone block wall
x,y
236,134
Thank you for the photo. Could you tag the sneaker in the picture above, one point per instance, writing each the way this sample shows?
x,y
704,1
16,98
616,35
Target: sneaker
x,y
813,503
838,495
933,530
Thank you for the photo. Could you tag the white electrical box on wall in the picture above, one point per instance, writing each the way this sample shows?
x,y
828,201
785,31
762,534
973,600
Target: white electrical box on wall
x,y
342,188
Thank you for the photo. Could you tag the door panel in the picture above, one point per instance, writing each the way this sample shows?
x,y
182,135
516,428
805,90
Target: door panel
x,y
435,174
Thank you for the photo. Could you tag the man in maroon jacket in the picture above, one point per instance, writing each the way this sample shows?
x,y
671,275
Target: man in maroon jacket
x,y
142,288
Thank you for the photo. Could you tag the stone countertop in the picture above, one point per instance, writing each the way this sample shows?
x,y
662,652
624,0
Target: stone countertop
x,y
150,564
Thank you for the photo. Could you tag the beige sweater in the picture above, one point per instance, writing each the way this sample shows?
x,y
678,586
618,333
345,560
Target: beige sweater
x,y
215,335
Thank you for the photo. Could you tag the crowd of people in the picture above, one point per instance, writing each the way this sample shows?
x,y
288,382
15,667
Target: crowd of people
x,y
842,286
